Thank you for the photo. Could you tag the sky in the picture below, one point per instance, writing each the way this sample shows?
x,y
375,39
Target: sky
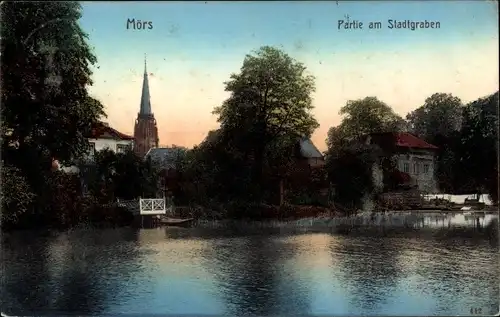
x,y
194,46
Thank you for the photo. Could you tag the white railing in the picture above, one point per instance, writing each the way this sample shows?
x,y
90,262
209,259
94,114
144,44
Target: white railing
x,y
152,206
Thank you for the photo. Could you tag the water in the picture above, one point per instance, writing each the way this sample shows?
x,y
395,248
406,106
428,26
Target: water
x,y
209,271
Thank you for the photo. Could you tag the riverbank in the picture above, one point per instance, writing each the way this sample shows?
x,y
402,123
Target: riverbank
x,y
256,228
402,225
97,216
297,215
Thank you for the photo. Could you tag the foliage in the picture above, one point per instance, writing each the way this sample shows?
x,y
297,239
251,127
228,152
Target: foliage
x,y
441,115
270,103
120,175
438,121
362,117
62,200
46,112
350,164
16,195
42,42
467,138
270,97
350,169
479,139
449,170
307,187
214,171
269,108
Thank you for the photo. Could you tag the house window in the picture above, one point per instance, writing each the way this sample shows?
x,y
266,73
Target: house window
x,y
415,168
426,168
121,148
406,167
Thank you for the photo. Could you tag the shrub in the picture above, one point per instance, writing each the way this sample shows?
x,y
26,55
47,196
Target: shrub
x,y
16,195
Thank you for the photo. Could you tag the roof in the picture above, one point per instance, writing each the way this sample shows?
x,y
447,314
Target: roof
x,y
308,149
165,156
404,140
145,109
103,131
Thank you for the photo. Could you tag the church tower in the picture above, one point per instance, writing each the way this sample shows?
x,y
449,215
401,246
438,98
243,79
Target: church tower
x,y
145,130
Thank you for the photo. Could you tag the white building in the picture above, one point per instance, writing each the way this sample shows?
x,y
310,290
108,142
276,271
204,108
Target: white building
x,y
102,137
416,159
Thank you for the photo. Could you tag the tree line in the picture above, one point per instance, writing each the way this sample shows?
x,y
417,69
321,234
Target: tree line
x,y
47,113
466,136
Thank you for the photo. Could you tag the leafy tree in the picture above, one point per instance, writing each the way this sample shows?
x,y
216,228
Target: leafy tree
x,y
222,170
46,111
260,123
479,152
438,122
270,100
98,175
63,204
350,164
365,116
440,115
121,175
350,169
134,177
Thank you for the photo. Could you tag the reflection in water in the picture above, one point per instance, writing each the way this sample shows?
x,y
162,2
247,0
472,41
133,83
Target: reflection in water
x,y
253,277
200,271
369,271
76,271
18,260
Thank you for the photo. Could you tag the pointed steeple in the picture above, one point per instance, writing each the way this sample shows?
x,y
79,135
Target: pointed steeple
x,y
145,97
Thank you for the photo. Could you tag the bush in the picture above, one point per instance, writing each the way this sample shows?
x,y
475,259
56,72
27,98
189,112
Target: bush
x,y
16,196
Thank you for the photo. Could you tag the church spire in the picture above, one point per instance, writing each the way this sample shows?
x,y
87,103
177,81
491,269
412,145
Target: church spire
x,y
145,97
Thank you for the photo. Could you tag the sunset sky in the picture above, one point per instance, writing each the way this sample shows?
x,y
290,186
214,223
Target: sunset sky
x,y
194,47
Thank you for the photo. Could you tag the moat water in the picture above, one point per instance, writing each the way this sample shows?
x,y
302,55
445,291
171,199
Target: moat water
x,y
255,272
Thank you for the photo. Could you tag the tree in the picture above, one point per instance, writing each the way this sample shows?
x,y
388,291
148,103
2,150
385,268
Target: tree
x,y
217,170
368,115
479,139
134,177
121,175
360,118
270,101
46,111
438,122
350,164
350,169
440,115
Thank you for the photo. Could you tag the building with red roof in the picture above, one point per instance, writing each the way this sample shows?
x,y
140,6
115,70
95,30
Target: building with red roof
x,y
415,158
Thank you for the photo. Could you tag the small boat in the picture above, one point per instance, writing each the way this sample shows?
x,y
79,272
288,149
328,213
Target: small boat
x,y
177,222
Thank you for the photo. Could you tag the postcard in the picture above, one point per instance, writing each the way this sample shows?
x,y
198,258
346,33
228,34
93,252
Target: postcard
x,y
250,158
